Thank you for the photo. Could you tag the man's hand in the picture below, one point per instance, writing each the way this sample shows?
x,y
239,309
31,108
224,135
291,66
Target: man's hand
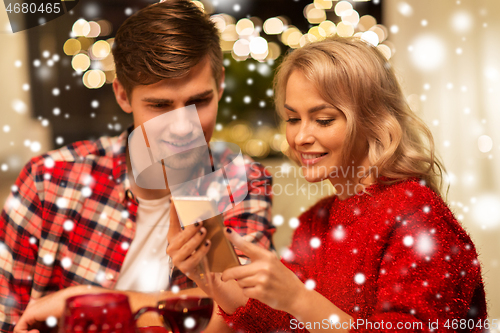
x,y
38,310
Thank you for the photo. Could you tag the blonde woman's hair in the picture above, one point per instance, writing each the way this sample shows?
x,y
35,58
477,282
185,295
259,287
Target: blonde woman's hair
x,y
356,78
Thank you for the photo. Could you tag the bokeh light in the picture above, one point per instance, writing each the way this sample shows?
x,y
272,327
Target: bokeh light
x,y
273,26
428,52
80,62
371,37
94,79
353,18
484,143
323,4
345,29
242,47
106,27
461,21
328,27
81,28
366,22
95,30
101,49
72,47
486,210
343,8
385,50
245,27
316,16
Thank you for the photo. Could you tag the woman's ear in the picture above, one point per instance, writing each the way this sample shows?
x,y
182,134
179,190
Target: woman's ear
x,y
121,96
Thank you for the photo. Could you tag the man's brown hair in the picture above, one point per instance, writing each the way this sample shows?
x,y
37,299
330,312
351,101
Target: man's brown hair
x,y
164,41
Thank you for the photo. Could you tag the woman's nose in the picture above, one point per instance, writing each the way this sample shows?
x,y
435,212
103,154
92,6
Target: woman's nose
x,y
305,135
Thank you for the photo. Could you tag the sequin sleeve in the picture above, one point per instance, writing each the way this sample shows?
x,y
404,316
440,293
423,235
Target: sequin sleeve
x,y
428,274
258,317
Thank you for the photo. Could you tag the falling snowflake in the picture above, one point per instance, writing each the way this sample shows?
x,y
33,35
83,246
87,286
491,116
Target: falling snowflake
x,y
315,242
62,203
408,241
125,246
49,163
334,318
425,244
294,223
310,284
35,146
48,259
359,278
86,192
68,225
66,262
51,321
100,277
189,323
278,220
339,233
287,254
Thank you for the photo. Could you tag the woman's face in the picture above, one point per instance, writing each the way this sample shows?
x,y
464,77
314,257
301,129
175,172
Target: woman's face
x,y
316,132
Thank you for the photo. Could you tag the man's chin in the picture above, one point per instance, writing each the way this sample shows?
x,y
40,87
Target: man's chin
x,y
181,164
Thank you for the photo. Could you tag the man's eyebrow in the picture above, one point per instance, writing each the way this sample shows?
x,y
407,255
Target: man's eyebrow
x,y
313,109
200,95
167,101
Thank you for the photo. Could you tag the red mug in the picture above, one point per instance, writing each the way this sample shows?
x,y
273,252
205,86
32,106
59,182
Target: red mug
x,y
105,313
111,313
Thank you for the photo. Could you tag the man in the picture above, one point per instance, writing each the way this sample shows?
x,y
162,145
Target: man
x,y
76,217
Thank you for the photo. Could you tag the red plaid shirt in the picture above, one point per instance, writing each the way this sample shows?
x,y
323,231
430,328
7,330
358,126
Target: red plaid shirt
x,y
71,216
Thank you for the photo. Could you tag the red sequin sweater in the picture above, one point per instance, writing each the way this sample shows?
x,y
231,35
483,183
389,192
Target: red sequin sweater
x,y
397,255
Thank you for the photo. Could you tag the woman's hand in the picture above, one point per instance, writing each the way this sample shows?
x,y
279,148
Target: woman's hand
x,y
187,247
266,279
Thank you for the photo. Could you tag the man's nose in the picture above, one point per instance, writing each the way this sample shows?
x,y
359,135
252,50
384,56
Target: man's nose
x,y
181,126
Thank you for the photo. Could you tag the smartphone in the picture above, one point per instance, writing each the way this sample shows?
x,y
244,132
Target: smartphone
x,y
221,255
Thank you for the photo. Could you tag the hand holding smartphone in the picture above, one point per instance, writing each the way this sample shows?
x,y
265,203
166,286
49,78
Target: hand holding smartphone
x,y
221,254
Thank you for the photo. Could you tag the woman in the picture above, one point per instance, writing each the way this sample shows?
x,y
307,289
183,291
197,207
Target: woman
x,y
383,254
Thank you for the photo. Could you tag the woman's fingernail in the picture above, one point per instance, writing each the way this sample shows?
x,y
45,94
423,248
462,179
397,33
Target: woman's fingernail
x,y
201,231
228,230
170,199
196,224
207,243
182,227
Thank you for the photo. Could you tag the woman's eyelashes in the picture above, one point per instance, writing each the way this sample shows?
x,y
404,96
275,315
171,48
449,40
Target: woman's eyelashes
x,y
321,122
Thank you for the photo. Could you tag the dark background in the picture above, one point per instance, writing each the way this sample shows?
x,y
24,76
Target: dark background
x,y
78,120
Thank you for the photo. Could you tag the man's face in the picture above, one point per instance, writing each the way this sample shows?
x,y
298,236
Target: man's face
x,y
183,130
